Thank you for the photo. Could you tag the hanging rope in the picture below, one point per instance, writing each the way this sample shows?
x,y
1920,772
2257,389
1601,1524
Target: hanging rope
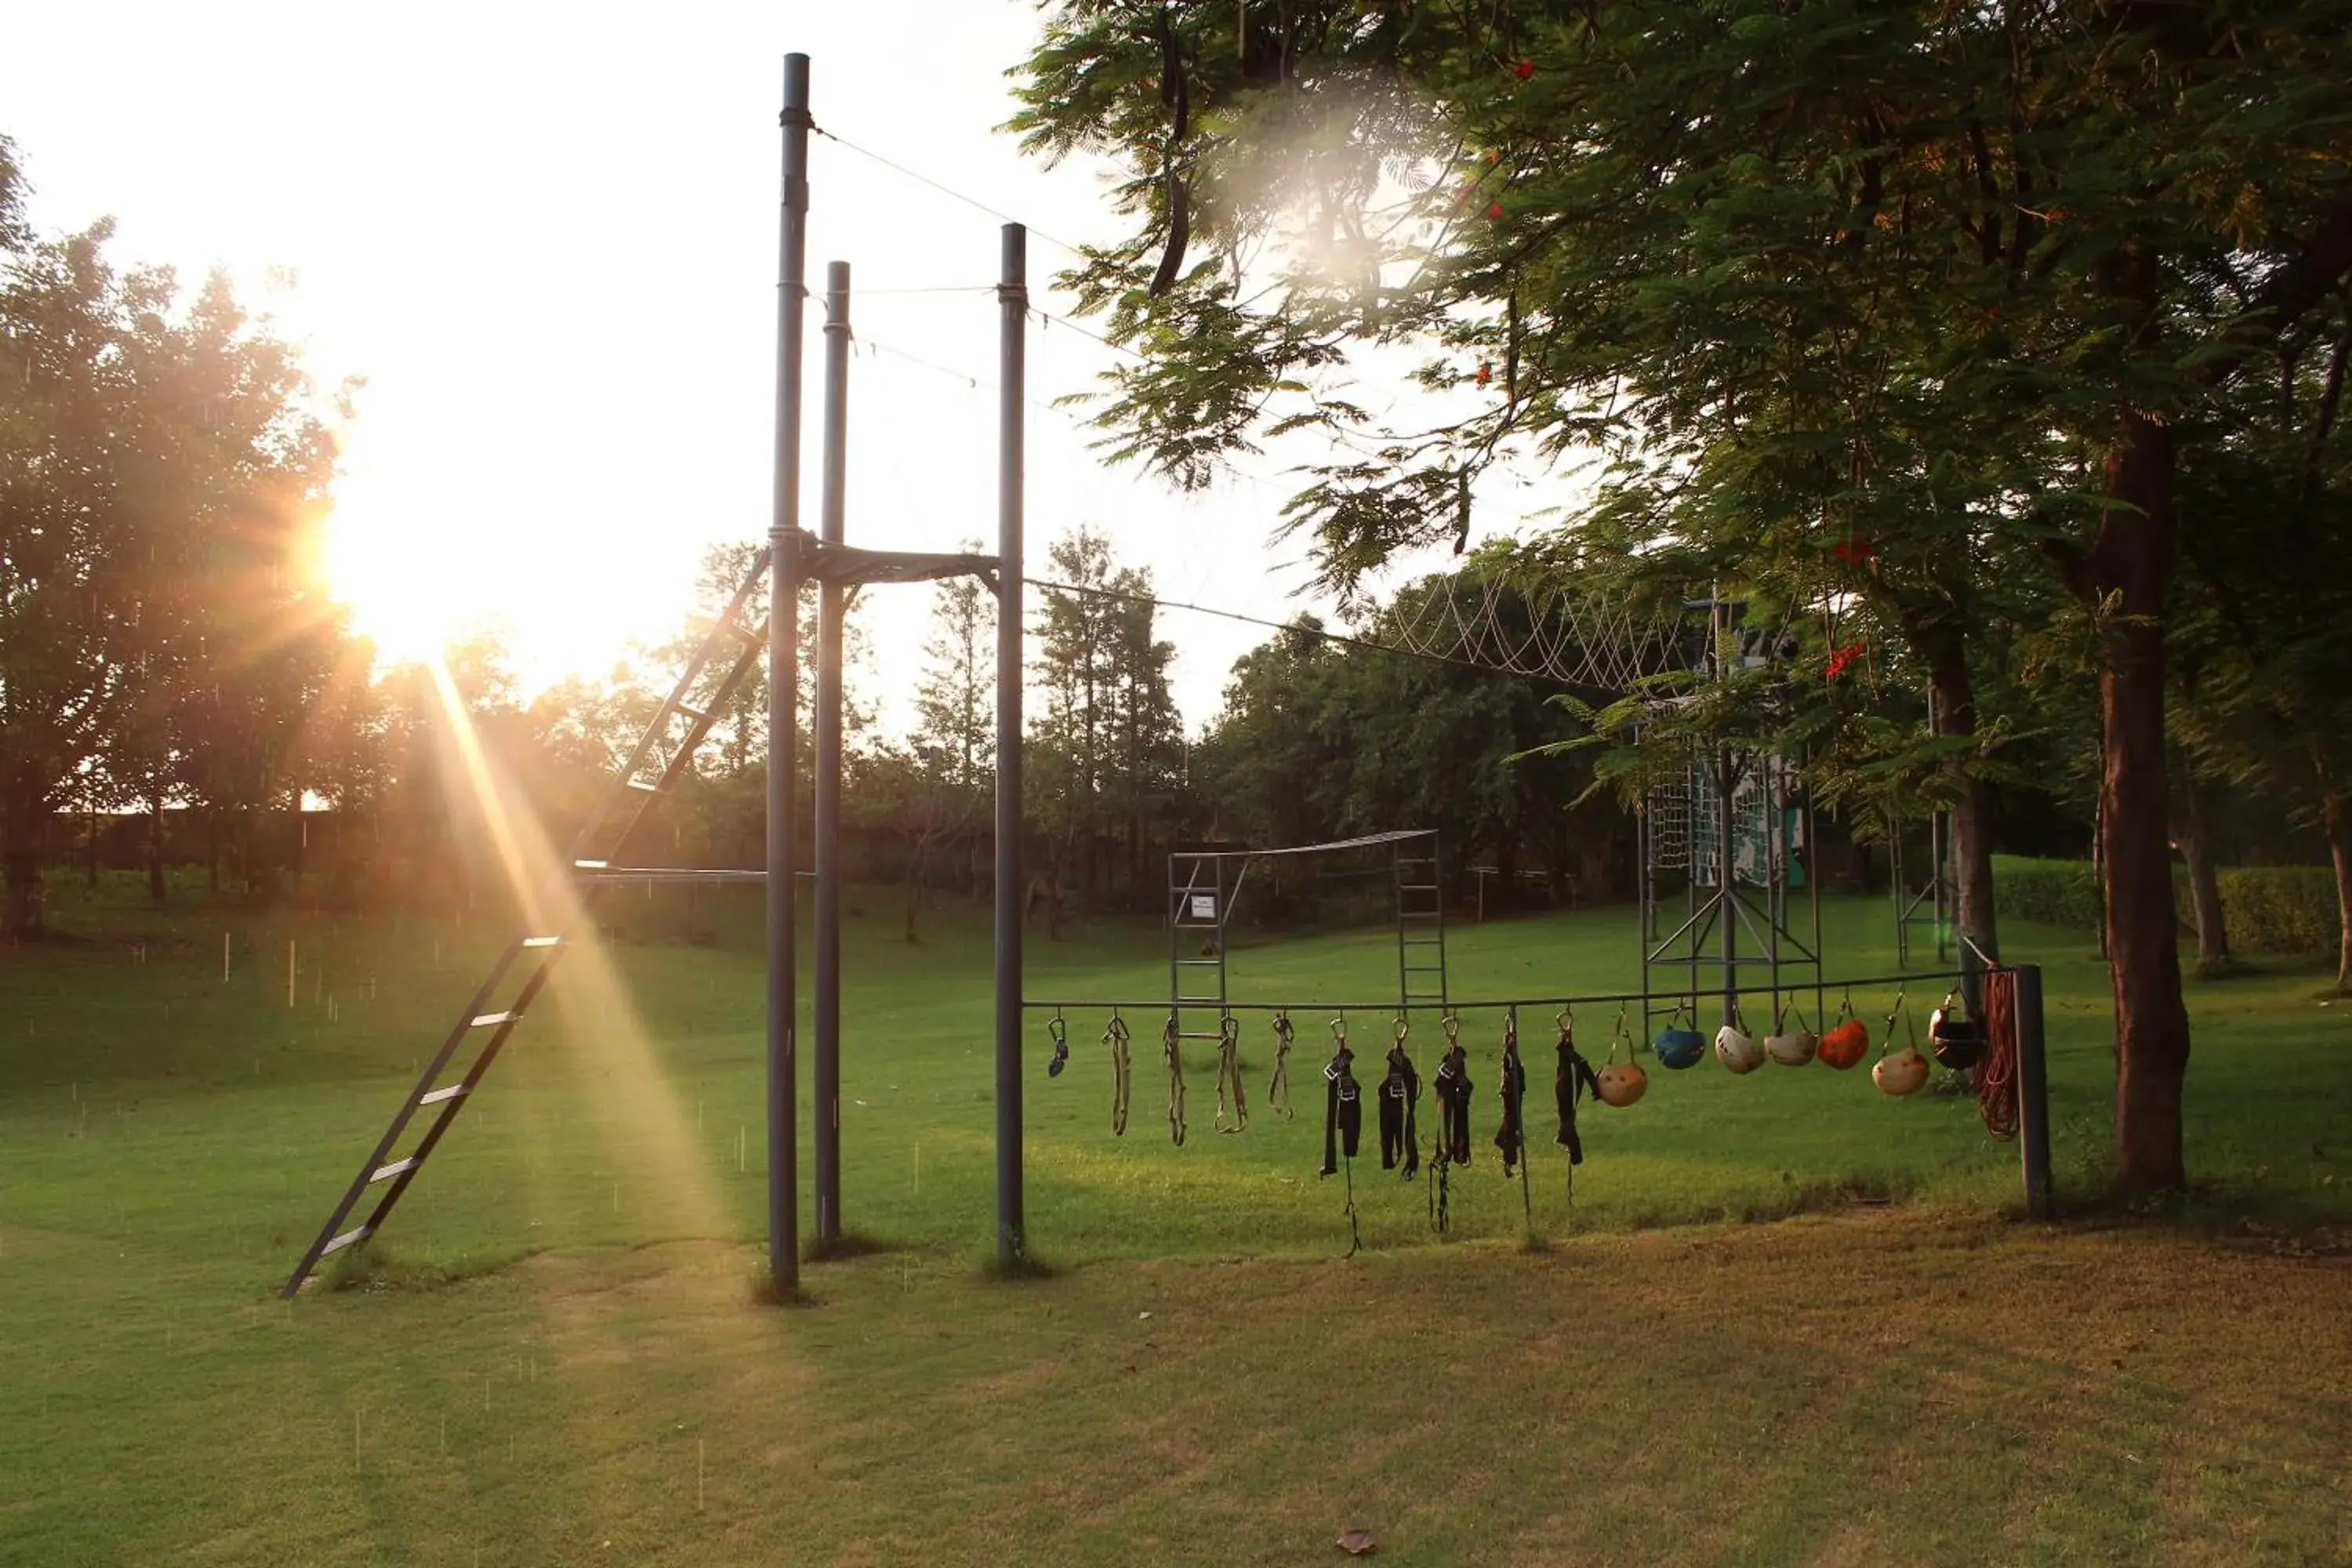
x,y
1277,1087
1172,1044
1122,1072
1229,1074
1996,1079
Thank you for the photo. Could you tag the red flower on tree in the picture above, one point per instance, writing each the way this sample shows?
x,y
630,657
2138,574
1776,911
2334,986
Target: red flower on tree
x,y
1855,551
1524,69
1839,659
1496,211
1486,372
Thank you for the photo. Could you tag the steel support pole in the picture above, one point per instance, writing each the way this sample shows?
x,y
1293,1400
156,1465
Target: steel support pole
x,y
2032,1093
824,1070
1013,304
783,676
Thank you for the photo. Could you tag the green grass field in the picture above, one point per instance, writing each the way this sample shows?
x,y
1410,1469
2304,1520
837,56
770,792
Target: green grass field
x,y
553,1355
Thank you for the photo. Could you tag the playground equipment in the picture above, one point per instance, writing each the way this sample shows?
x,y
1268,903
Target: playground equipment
x,y
1738,830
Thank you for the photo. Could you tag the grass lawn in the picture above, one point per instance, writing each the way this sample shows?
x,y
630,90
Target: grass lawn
x,y
554,1356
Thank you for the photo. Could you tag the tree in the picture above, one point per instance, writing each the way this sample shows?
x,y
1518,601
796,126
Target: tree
x,y
940,784
1747,250
160,477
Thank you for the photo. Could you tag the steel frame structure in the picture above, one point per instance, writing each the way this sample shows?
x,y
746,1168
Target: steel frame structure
x,y
1201,900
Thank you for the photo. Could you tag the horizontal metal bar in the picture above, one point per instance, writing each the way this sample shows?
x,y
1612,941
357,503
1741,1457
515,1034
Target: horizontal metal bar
x,y
484,1020
439,1095
1493,1003
393,1169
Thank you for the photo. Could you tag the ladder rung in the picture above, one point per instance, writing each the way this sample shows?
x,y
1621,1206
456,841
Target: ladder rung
x,y
439,1095
590,864
1197,963
357,1232
543,941
643,788
484,1020
1416,887
393,1169
696,714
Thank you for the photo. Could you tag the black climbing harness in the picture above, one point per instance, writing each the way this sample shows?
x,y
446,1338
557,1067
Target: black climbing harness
x,y
1575,1078
1400,1104
1059,1033
1452,1090
1122,1072
1278,1087
1172,1043
1343,1123
1511,1134
1229,1073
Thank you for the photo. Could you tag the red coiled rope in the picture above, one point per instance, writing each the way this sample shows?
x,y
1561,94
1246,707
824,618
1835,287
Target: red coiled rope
x,y
1996,1079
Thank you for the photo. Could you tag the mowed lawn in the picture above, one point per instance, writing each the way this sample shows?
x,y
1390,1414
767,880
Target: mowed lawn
x,y
557,1356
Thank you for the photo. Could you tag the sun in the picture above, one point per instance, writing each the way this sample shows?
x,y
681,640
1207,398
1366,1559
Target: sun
x,y
396,583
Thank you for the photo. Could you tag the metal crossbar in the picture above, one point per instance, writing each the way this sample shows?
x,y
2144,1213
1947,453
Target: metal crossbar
x,y
601,839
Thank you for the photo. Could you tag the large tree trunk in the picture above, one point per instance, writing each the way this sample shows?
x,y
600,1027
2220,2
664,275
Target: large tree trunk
x,y
2204,886
2126,576
2337,821
1953,692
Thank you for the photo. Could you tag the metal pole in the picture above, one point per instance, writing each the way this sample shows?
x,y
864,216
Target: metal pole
x,y
1727,883
2032,1093
826,1068
1013,303
783,676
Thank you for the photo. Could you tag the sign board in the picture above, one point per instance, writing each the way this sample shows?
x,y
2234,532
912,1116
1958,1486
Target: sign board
x,y
1204,906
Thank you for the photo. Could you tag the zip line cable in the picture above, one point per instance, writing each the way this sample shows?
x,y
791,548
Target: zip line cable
x,y
945,190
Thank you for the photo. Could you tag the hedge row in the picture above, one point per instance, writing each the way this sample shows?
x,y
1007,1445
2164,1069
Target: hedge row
x,y
2269,909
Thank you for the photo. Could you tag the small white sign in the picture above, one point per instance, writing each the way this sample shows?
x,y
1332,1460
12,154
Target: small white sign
x,y
1204,906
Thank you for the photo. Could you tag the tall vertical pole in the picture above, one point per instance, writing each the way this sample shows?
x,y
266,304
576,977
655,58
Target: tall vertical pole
x,y
783,680
825,1070
2032,1093
1013,304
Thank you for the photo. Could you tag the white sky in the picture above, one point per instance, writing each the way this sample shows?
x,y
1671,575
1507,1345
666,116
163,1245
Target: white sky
x,y
548,241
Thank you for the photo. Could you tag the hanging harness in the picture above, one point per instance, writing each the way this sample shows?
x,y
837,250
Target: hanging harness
x,y
1511,1083
1343,1103
1343,1123
1172,1043
1453,1087
1229,1074
1575,1076
1400,1100
1511,1137
1277,1087
1122,1072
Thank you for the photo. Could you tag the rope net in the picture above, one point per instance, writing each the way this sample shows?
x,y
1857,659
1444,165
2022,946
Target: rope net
x,y
1473,617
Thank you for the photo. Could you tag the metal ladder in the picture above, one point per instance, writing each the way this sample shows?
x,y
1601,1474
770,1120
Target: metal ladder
x,y
1420,931
521,970
1196,979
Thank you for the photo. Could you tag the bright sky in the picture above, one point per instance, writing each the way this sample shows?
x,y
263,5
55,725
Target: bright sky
x,y
547,239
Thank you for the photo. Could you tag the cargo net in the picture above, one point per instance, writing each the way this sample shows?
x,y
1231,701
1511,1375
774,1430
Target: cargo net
x,y
1760,847
1669,810
1577,639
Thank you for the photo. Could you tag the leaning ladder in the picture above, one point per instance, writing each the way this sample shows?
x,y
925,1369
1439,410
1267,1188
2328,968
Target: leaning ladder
x,y
658,761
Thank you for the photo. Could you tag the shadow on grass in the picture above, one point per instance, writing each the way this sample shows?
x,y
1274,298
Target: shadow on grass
x,y
848,1244
1020,1268
380,1271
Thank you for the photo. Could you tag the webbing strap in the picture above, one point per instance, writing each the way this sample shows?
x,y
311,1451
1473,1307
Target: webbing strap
x,y
1229,1073
1173,1042
1122,1073
1277,1087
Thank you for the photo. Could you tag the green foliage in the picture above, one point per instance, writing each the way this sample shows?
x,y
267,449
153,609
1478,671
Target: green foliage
x,y
2286,909
2062,893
